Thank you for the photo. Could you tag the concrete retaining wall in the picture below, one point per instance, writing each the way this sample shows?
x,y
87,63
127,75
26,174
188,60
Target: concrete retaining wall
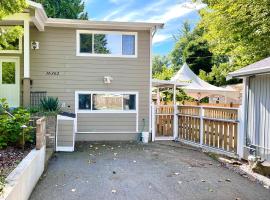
x,y
22,180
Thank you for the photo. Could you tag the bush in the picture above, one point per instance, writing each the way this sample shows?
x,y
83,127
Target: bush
x,y
50,104
11,131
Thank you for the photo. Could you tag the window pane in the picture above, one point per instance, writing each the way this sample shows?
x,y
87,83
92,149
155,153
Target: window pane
x,y
84,101
86,43
108,44
107,102
128,44
8,73
129,102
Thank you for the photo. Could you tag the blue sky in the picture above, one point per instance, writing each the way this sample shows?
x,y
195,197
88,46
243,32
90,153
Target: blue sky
x,y
171,12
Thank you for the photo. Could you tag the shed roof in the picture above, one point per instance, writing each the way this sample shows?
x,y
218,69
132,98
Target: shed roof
x,y
260,67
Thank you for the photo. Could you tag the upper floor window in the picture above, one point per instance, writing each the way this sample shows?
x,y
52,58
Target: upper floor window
x,y
10,43
106,43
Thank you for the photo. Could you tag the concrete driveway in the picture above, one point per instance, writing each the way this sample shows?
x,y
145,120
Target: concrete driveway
x,y
135,171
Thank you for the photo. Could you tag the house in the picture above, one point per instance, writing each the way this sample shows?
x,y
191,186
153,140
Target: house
x,y
99,70
256,107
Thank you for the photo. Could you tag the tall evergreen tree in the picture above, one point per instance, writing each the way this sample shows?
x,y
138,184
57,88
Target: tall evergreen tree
x,y
66,9
192,49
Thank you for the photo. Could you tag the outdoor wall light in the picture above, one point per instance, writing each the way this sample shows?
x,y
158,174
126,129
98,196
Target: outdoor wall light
x,y
107,79
34,45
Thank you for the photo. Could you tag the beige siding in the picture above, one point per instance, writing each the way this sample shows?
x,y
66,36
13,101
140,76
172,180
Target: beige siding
x,y
57,53
65,133
99,122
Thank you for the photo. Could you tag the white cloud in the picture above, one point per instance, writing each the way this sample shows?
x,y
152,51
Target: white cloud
x,y
161,37
114,13
136,14
120,1
176,11
159,11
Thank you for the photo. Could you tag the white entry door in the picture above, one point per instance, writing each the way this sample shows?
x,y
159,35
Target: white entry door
x,y
10,80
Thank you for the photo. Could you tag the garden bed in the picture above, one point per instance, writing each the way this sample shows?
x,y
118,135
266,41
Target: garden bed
x,y
10,157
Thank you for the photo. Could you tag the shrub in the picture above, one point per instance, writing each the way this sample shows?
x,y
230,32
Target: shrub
x,y
11,131
50,104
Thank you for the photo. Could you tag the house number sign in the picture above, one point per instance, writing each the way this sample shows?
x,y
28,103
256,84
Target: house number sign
x,y
52,73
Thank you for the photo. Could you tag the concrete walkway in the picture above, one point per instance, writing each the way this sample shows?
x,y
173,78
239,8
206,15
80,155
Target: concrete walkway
x,y
134,171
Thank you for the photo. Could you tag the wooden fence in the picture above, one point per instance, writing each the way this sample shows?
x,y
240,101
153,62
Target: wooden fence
x,y
215,127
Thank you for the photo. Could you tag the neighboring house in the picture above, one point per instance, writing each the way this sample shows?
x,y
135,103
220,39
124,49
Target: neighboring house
x,y
99,70
256,107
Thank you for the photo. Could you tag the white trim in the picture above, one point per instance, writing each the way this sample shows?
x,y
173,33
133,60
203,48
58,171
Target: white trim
x,y
93,54
77,111
15,59
164,138
66,149
153,121
150,85
108,25
243,117
102,132
26,50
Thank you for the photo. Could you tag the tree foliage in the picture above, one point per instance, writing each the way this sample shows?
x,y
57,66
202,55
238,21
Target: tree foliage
x,y
158,63
191,48
66,9
165,74
9,7
239,29
9,35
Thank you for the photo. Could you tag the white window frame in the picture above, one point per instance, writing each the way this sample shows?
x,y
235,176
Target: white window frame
x,y
13,51
93,54
105,111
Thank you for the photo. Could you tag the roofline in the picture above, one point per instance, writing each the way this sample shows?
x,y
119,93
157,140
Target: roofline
x,y
251,72
40,16
75,23
41,20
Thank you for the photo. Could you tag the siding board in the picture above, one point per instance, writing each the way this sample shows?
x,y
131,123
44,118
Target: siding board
x,y
258,115
57,53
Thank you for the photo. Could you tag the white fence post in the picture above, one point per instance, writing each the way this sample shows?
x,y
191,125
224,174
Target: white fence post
x,y
240,132
201,125
175,122
153,122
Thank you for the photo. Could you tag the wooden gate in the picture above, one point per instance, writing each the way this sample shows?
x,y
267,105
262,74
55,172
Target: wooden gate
x,y
163,118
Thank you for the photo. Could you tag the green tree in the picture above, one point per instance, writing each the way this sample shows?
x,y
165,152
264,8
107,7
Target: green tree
x,y
9,36
9,7
193,49
158,64
165,74
182,39
238,29
66,9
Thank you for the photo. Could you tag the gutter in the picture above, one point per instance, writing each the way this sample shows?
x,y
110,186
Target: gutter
x,y
156,27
